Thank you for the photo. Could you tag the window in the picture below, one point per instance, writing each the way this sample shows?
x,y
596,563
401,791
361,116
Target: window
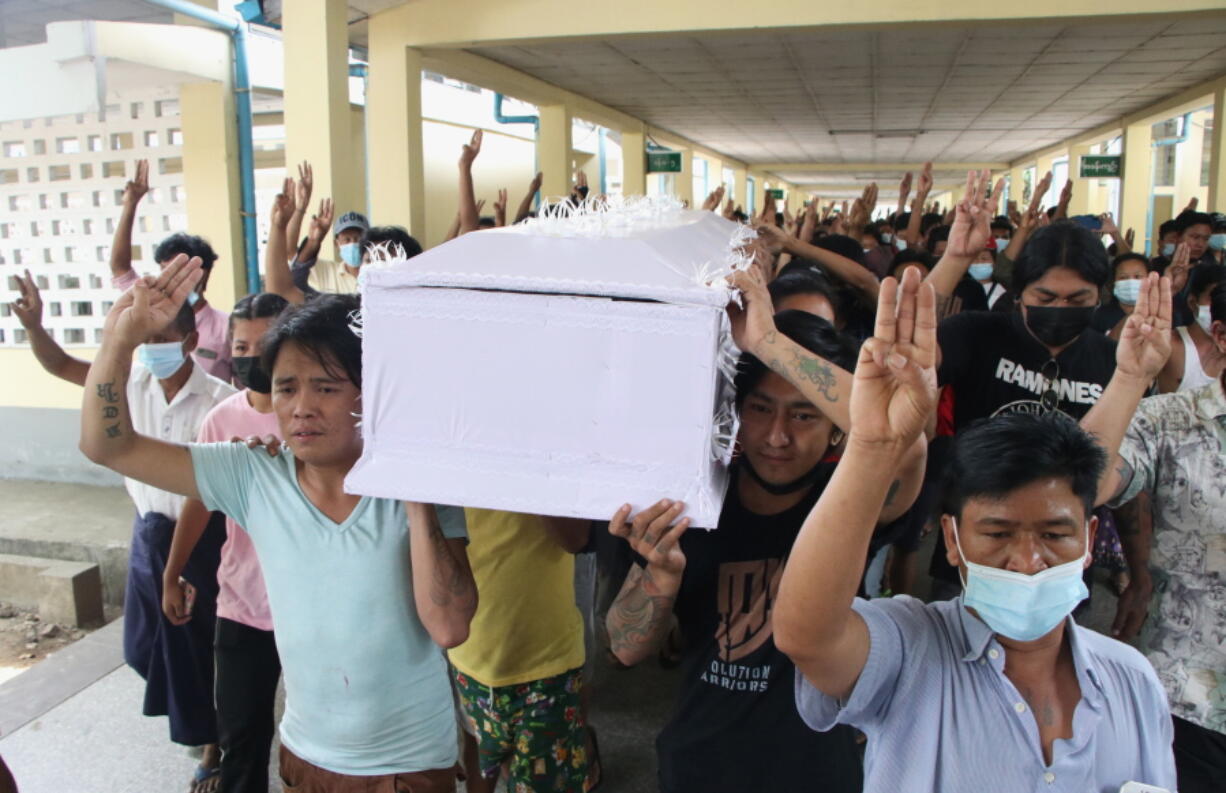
x,y
87,170
110,225
95,142
151,139
121,141
81,308
8,176
87,227
170,165
154,196
69,282
97,336
14,148
34,228
31,174
166,107
40,147
134,109
119,198
55,228
102,253
71,254
19,336
165,222
106,306
68,145
42,282
5,309
19,203
57,308
175,136
4,230
177,193
1206,153
59,173
97,199
137,253
44,201
95,282
47,256
113,168
18,256
73,199
142,223
74,335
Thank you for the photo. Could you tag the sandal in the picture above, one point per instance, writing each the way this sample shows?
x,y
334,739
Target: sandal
x,y
206,780
595,772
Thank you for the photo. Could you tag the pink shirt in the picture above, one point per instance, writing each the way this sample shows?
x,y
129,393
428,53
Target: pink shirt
x,y
241,596
212,328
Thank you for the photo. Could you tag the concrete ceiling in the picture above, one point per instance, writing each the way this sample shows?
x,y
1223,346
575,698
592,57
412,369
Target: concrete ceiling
x,y
969,93
25,22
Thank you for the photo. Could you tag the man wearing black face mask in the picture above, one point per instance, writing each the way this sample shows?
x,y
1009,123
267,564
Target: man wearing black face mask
x,y
1039,358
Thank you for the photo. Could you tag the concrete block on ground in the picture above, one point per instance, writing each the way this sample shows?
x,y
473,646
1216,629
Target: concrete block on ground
x,y
66,593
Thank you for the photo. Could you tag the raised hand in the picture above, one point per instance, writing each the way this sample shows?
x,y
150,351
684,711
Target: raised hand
x,y
753,320
973,214
306,184
283,205
1145,341
535,184
729,210
1180,265
1130,237
471,150
1192,204
1108,224
500,207
135,189
714,199
924,186
321,223
1040,190
904,192
768,209
895,387
652,535
773,238
29,306
152,303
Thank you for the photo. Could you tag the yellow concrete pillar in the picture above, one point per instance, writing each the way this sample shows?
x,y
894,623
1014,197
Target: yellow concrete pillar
x,y
393,116
683,187
1085,191
634,163
553,151
210,176
1189,159
1217,154
1017,178
1136,183
740,181
317,124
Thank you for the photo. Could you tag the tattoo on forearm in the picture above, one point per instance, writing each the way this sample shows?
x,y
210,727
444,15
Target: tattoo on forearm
x,y
106,392
816,371
636,618
448,584
114,431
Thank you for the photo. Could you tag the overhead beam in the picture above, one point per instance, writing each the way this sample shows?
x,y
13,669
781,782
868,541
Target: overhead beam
x,y
475,23
856,167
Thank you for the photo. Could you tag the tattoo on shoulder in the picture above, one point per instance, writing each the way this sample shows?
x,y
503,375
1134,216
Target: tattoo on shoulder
x,y
817,372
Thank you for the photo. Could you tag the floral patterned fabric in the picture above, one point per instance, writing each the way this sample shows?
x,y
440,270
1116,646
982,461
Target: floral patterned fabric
x,y
536,727
1175,449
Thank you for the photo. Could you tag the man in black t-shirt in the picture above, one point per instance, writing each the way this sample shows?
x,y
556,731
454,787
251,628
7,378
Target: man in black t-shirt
x,y
1039,358
735,727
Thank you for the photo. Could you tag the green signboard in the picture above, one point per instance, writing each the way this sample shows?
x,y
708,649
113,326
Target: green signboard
x,y
1101,166
776,194
663,162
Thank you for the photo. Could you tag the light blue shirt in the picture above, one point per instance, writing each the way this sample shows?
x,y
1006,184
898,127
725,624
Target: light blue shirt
x,y
940,715
366,690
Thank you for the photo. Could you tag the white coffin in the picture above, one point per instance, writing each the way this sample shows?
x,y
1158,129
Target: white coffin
x,y
560,367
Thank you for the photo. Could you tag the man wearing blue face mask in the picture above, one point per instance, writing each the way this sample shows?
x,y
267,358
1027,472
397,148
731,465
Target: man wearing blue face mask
x,y
169,394
313,275
998,690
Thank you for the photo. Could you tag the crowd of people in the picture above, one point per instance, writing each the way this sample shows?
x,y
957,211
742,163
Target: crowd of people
x,y
1024,385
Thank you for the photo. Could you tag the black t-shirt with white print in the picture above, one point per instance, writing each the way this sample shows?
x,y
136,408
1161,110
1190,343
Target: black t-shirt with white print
x,y
735,727
995,366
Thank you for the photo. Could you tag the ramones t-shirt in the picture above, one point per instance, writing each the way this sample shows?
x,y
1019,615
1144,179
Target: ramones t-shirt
x,y
995,366
735,726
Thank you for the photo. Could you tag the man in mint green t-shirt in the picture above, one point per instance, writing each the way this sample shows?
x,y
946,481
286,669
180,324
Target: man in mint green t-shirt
x,y
363,591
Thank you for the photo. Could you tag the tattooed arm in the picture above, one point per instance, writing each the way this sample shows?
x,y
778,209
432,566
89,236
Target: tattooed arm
x,y
821,382
107,435
640,616
443,586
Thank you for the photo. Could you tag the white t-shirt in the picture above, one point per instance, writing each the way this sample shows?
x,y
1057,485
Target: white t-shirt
x,y
367,690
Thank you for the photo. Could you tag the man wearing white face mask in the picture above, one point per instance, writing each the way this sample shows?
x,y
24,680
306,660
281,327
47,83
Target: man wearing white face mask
x,y
336,277
998,690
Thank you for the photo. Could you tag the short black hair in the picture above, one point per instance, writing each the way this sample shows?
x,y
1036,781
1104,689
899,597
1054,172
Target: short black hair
x,y
1204,277
799,277
392,236
809,331
1062,244
996,456
258,306
929,220
1217,303
190,244
487,222
1129,257
322,327
901,220
842,245
1167,228
938,234
1002,222
912,256
1186,220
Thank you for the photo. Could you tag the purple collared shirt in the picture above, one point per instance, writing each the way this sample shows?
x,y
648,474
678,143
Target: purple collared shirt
x,y
940,715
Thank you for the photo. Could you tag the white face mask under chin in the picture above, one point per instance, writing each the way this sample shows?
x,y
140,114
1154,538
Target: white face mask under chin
x,y
1019,606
